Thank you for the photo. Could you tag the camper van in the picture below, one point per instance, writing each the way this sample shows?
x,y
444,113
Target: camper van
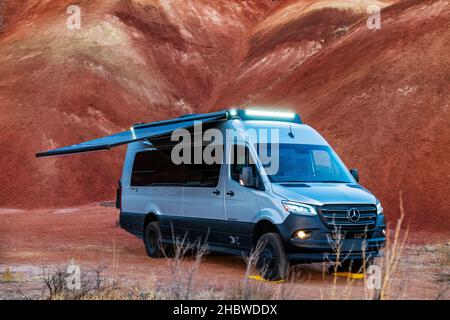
x,y
276,189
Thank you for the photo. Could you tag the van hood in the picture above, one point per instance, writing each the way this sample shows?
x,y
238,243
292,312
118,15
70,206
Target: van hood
x,y
324,193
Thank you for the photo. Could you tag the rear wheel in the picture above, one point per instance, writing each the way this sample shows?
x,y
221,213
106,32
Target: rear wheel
x,y
272,261
153,240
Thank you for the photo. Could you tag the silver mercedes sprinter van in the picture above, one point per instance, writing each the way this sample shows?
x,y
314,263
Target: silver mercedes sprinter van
x,y
276,187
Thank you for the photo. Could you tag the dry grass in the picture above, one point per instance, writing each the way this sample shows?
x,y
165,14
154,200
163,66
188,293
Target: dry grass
x,y
183,271
183,265
392,253
93,284
7,275
444,254
443,276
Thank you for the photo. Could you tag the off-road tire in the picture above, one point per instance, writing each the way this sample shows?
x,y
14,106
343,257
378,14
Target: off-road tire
x,y
153,240
272,261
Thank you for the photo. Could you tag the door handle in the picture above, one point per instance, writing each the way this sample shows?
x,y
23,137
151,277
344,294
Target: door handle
x,y
216,192
230,193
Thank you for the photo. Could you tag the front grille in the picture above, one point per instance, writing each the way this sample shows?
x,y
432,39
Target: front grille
x,y
336,216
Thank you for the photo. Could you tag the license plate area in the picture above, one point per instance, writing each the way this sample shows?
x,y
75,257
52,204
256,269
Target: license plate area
x,y
360,235
348,235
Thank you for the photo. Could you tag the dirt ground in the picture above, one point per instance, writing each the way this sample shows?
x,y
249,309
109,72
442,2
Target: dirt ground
x,y
89,236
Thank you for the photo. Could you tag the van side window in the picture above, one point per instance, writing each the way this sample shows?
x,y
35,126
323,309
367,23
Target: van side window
x,y
240,156
155,167
202,174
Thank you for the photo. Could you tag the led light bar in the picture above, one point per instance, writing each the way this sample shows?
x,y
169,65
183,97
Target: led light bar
x,y
270,114
255,114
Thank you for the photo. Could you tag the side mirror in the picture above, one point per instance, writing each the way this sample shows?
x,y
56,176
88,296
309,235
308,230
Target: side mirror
x,y
355,174
247,178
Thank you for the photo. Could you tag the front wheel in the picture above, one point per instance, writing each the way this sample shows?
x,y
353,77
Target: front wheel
x,y
272,261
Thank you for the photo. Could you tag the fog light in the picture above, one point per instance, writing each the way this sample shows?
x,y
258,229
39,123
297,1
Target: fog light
x,y
303,234
384,232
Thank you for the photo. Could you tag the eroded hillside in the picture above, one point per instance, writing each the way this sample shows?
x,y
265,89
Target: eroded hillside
x,y
380,97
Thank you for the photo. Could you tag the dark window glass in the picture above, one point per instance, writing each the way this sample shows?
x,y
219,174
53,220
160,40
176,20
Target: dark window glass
x,y
202,174
156,168
241,157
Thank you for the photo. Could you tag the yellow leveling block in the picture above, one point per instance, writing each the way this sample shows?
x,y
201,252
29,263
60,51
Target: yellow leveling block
x,y
259,278
349,275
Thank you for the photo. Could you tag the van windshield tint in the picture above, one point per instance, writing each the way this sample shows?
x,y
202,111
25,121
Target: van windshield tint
x,y
305,163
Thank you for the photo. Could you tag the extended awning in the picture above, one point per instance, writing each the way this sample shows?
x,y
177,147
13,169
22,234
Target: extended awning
x,y
137,133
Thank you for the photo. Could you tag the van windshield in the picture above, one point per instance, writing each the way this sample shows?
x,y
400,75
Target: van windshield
x,y
303,163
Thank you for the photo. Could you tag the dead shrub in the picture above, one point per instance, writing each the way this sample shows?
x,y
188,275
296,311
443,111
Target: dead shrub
x,y
183,273
92,283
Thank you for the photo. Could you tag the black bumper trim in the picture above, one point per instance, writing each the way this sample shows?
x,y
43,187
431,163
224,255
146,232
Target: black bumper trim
x,y
328,257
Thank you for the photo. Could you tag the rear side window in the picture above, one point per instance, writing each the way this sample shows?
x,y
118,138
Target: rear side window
x,y
155,167
202,175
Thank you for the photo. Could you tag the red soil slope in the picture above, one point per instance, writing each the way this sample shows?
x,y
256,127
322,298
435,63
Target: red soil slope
x,y
380,97
284,40
131,61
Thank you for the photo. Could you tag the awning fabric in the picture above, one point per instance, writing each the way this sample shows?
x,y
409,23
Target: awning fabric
x,y
137,133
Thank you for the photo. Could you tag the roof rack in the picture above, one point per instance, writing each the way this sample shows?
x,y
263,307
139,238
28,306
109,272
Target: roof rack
x,y
250,114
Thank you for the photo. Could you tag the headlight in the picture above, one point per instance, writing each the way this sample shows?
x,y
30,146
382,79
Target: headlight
x,y
379,208
299,208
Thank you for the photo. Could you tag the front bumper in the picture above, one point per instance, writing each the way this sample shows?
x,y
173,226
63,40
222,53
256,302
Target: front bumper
x,y
318,250
325,244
